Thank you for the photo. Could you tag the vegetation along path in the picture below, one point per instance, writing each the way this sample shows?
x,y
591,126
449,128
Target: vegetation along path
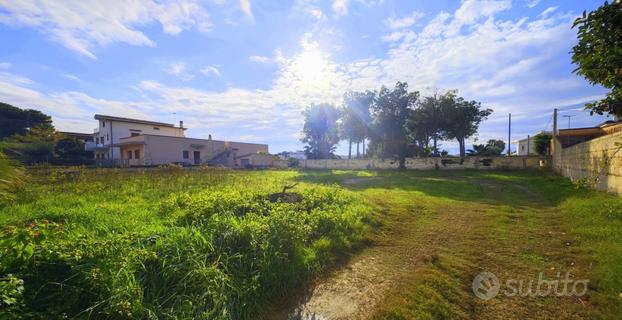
x,y
441,229
282,244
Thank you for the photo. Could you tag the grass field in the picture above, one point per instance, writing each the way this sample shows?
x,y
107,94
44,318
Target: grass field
x,y
220,244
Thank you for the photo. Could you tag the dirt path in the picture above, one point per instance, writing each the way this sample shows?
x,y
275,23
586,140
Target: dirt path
x,y
426,255
411,240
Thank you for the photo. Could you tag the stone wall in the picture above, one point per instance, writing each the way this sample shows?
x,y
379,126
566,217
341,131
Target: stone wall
x,y
484,163
587,160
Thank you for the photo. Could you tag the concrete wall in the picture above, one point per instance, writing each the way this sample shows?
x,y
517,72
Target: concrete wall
x,y
586,160
484,163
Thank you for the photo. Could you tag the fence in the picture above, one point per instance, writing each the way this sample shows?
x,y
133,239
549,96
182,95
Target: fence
x,y
595,159
483,163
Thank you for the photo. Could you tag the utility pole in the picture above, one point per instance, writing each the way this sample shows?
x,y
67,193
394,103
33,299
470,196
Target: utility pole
x,y
568,116
528,142
554,140
509,135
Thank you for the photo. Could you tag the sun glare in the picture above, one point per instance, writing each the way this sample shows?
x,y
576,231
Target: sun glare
x,y
311,68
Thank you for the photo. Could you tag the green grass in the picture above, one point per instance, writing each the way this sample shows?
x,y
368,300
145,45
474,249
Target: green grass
x,y
179,244
167,244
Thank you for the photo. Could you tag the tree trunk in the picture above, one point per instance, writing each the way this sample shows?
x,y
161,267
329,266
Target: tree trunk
x,y
350,149
364,151
435,150
462,151
358,154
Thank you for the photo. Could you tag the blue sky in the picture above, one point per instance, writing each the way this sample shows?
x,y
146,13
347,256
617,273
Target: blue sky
x,y
244,70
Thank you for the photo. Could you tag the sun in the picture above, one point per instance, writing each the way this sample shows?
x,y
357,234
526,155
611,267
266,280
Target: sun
x,y
311,68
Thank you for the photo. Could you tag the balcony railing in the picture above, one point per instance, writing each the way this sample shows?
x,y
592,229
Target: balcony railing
x,y
92,146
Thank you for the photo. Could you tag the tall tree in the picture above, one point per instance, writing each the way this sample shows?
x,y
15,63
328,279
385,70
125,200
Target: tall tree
x,y
391,111
427,121
462,119
598,54
14,120
356,118
320,131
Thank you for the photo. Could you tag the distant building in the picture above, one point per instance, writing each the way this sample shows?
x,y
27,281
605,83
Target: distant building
x,y
527,145
570,137
134,142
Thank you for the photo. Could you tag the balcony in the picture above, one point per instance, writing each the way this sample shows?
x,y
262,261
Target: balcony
x,y
92,146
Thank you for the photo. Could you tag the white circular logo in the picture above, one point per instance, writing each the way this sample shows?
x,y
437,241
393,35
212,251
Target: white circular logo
x,y
486,285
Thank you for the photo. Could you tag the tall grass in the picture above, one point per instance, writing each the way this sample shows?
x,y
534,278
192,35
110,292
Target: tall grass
x,y
11,175
168,244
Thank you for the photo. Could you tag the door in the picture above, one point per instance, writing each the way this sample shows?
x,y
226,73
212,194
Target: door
x,y
197,157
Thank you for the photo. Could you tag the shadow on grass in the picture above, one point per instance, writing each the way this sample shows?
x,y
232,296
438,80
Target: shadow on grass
x,y
525,189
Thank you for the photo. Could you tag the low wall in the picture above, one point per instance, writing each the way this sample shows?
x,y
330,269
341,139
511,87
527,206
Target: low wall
x,y
592,159
484,163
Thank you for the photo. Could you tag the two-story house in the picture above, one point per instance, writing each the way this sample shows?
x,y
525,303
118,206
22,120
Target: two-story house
x,y
134,142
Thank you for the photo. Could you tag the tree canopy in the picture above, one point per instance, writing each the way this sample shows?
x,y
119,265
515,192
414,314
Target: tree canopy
x,y
462,119
598,54
321,130
543,143
14,120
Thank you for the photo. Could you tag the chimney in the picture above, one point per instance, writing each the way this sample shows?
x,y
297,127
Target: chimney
x,y
181,124
209,137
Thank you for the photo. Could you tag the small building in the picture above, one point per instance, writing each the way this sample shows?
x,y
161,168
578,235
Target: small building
x,y
570,137
134,142
527,145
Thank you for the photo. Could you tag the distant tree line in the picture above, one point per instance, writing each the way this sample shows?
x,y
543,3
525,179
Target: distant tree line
x,y
395,123
28,136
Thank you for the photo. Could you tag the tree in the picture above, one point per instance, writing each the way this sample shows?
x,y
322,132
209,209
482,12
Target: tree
x,y
491,148
36,146
462,119
543,143
598,54
356,118
15,121
427,122
320,131
391,111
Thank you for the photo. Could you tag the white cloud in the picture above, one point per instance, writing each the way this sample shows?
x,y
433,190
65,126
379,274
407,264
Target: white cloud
x,y
533,3
340,7
548,11
211,70
404,22
82,25
72,77
260,59
471,10
245,6
5,65
178,69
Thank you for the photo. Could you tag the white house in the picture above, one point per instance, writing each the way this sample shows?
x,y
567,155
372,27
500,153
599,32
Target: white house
x,y
134,142
527,145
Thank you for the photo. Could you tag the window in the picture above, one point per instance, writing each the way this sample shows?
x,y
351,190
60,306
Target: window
x,y
129,154
156,128
104,124
133,134
136,154
107,137
186,154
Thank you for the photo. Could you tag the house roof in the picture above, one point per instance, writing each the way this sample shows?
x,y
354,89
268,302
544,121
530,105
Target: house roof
x,y
121,119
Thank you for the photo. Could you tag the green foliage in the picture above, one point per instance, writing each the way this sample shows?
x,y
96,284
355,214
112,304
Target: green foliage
x,y
356,117
391,111
169,244
16,121
320,131
491,148
11,177
543,143
462,119
598,54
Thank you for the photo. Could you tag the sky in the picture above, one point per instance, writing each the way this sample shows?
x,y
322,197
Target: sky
x,y
244,70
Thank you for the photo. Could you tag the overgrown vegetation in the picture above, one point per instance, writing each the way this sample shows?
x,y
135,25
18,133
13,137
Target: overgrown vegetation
x,y
168,243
